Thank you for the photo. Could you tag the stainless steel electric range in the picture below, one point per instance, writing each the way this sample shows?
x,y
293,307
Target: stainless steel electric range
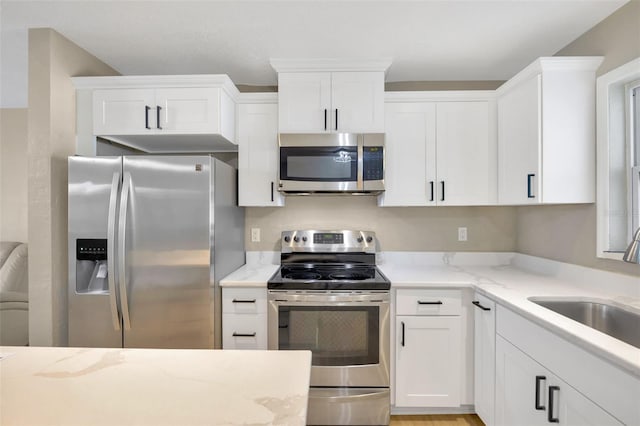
x,y
330,298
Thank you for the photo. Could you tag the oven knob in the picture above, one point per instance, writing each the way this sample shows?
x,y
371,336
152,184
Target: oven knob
x,y
360,239
296,239
304,239
369,239
287,239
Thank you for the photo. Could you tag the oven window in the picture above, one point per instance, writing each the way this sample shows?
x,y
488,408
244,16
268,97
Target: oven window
x,y
336,335
327,164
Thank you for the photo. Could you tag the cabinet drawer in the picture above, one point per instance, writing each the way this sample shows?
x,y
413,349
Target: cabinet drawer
x,y
244,331
428,302
244,300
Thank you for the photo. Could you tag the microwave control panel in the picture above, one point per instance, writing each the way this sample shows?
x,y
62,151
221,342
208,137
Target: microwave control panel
x,y
372,163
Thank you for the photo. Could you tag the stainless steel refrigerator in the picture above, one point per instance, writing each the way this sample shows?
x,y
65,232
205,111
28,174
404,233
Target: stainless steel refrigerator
x,y
149,239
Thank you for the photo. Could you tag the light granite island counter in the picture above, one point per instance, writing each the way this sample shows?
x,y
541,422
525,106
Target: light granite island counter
x,y
97,386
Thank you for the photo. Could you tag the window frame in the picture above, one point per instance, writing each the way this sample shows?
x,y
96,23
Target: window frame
x,y
615,156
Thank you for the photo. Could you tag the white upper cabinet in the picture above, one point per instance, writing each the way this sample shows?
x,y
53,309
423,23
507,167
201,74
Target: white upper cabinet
x,y
162,111
546,133
330,96
304,101
410,145
150,112
331,102
440,151
258,158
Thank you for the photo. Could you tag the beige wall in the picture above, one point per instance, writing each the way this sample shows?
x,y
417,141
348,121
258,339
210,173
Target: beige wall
x,y
568,233
397,228
51,138
13,174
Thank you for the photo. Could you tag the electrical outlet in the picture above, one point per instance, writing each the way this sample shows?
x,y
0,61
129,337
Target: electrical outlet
x,y
462,234
255,235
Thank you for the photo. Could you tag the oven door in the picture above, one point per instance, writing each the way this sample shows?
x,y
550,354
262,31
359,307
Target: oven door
x,y
347,333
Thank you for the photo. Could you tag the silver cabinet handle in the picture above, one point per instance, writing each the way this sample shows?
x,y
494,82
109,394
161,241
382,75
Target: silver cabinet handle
x,y
122,229
111,250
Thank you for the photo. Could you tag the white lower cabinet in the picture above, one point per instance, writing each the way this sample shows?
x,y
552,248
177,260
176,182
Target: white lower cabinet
x,y
542,378
244,318
428,349
484,357
528,394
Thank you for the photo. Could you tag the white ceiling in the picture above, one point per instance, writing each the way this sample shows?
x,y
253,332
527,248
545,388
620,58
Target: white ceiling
x,y
426,40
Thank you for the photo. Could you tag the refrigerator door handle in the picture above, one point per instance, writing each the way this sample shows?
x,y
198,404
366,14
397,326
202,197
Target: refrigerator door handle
x,y
122,229
111,250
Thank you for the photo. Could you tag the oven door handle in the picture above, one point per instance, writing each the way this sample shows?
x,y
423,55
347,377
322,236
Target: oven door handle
x,y
350,398
286,302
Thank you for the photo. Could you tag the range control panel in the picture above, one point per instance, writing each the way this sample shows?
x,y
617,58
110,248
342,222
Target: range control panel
x,y
91,249
328,241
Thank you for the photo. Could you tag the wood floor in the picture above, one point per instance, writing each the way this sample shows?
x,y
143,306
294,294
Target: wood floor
x,y
437,420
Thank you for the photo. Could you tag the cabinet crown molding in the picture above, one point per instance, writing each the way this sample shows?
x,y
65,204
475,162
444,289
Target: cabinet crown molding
x,y
158,81
440,96
553,63
328,64
258,98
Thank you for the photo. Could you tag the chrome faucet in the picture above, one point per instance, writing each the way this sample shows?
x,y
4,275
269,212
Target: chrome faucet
x,y
632,254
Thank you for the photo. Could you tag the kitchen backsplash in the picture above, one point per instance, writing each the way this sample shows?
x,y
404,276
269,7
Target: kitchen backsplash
x,y
490,229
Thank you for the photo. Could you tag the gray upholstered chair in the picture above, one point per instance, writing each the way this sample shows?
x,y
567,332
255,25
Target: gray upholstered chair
x,y
14,294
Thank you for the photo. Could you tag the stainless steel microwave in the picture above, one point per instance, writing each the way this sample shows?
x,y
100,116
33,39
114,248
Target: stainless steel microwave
x,y
331,163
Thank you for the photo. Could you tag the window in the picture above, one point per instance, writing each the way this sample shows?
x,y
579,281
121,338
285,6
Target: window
x,y
618,157
634,154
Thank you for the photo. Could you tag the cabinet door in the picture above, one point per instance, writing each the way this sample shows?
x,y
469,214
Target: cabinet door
x,y
187,110
520,144
484,359
258,155
558,403
516,387
304,101
577,410
466,154
410,165
428,361
357,102
124,112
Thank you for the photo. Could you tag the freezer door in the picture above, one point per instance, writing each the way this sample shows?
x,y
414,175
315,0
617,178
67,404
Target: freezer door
x,y
165,267
92,200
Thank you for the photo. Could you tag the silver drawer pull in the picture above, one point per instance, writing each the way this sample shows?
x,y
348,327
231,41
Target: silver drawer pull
x,y
420,302
243,301
244,334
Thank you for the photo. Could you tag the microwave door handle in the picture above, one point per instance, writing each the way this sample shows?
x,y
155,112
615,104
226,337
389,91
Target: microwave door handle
x,y
360,171
111,251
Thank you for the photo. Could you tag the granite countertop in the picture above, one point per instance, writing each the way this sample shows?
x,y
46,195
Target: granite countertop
x,y
509,279
80,386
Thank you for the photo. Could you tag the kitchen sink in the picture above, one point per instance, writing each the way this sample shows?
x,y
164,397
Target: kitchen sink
x,y
613,320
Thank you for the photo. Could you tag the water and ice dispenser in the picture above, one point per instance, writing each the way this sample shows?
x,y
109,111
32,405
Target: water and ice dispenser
x,y
91,266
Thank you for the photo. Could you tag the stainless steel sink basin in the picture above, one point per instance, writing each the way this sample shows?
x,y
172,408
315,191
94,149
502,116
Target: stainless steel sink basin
x,y
609,319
